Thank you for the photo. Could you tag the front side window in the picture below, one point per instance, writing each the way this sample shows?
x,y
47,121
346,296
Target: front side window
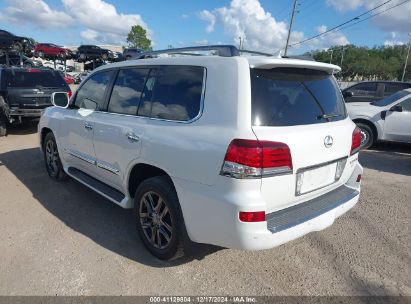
x,y
127,91
364,89
177,93
91,94
406,105
294,96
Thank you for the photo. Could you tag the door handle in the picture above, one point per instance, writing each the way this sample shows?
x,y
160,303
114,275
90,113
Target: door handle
x,y
88,126
132,137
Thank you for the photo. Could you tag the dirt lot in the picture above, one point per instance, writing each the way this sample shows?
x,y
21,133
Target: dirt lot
x,y
63,239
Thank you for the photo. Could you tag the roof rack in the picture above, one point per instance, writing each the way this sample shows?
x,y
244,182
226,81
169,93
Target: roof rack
x,y
222,50
255,53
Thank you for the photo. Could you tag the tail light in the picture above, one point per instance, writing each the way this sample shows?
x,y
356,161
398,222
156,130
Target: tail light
x,y
69,93
249,217
254,159
356,141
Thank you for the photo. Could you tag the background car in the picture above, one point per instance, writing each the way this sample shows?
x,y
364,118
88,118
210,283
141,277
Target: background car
x,y
387,119
373,90
17,43
67,78
14,60
91,52
24,93
130,53
52,51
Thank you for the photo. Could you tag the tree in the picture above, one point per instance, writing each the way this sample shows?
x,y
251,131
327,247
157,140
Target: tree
x,y
137,38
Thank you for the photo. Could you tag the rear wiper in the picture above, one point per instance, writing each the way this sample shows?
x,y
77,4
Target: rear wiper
x,y
328,116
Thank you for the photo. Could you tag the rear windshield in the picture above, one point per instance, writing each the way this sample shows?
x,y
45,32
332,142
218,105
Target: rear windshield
x,y
293,96
389,100
34,79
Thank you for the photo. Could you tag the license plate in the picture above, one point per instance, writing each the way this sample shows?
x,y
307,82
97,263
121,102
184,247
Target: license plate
x,y
312,179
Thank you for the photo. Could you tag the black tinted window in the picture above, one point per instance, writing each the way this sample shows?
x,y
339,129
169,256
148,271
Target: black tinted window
x,y
127,91
389,100
91,95
364,89
34,79
291,96
177,92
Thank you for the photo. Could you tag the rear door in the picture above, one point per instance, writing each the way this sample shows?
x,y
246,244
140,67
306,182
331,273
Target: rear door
x,y
304,109
118,132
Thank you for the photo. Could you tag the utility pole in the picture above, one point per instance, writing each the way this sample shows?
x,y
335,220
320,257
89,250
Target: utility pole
x,y
291,26
331,57
406,59
342,57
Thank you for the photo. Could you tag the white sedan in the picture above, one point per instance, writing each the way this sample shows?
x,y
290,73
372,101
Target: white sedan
x,y
387,119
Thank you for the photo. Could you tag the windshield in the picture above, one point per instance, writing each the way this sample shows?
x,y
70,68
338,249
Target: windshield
x,y
35,79
294,96
390,99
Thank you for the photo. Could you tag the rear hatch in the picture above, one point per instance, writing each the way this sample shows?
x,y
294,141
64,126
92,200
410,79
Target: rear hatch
x,y
32,89
304,109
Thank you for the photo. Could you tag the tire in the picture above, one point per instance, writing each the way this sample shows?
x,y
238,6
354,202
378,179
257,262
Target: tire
x,y
3,126
367,135
128,57
104,56
62,55
52,159
161,218
41,54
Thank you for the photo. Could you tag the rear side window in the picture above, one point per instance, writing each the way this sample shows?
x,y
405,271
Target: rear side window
x,y
34,79
127,91
177,92
293,96
91,94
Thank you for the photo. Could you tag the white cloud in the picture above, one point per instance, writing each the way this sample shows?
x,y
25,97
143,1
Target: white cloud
x,y
396,19
201,42
103,18
35,12
346,5
329,39
210,18
248,19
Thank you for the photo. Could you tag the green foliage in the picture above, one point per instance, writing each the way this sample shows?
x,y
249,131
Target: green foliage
x,y
137,38
378,63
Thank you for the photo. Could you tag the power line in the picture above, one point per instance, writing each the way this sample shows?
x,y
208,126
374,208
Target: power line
x,y
342,24
374,15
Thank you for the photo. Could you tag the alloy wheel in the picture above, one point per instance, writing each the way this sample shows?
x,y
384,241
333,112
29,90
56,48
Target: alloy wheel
x,y
156,220
52,157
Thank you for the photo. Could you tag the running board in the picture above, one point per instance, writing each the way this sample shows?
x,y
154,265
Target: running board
x,y
107,191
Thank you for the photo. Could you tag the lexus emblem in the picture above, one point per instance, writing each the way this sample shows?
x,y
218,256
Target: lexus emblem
x,y
328,141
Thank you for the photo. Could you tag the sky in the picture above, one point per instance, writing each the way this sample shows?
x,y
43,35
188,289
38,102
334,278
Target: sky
x,y
261,24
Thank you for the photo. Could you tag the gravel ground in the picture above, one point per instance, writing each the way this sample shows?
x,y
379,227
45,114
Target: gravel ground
x,y
63,239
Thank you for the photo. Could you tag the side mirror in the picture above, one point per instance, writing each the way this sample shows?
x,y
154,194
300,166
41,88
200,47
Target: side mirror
x,y
60,99
396,108
348,94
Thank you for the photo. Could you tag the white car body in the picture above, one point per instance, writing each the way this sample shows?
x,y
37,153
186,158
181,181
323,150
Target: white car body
x,y
192,153
388,125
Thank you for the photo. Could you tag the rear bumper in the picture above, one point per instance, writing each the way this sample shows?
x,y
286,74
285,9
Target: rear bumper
x,y
212,218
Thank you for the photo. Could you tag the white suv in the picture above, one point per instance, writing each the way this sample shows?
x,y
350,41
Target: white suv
x,y
240,152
